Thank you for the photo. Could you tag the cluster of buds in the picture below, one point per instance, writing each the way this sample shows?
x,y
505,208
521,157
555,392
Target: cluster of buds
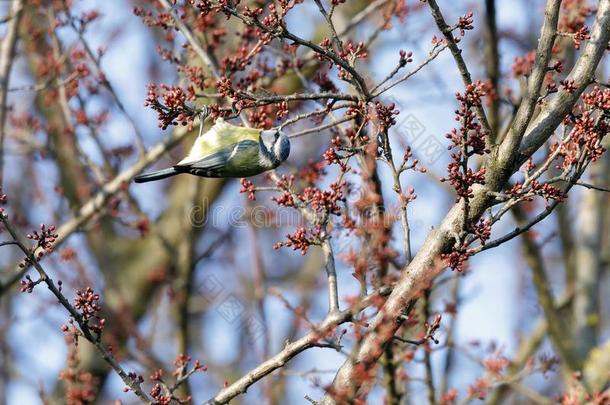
x,y
479,388
573,15
248,187
173,110
496,364
332,157
194,74
45,239
206,7
409,163
432,327
3,201
582,34
385,116
285,184
547,191
450,397
135,378
568,85
359,262
273,19
577,392
161,393
263,117
225,87
598,99
471,135
143,226
465,23
588,129
462,181
162,20
324,201
86,302
523,65
482,230
557,67
312,172
354,52
302,239
405,57
469,140
457,258
355,138
460,253
28,284
325,83
160,396
80,386
182,361
67,254
289,4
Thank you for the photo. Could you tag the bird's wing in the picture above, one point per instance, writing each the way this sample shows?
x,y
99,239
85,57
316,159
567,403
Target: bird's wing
x,y
212,165
220,137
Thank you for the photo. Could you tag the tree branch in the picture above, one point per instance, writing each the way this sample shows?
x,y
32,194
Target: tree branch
x,y
457,55
500,166
7,51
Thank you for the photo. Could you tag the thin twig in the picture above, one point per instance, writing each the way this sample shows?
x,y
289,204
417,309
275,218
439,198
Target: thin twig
x,y
447,32
320,128
331,273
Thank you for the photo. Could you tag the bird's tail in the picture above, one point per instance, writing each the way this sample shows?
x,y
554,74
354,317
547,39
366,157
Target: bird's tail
x,y
158,175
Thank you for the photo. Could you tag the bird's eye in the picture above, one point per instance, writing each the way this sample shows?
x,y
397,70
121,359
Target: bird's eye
x,y
277,134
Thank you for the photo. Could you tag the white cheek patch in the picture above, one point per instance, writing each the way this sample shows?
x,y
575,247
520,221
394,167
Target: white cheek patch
x,y
277,149
264,161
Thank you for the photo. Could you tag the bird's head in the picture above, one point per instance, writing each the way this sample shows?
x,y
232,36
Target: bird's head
x,y
275,145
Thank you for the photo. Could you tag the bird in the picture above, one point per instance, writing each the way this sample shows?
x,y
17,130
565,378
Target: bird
x,y
227,150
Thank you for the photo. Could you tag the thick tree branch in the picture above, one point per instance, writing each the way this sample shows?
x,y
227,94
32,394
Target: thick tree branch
x,y
500,166
7,51
492,66
582,74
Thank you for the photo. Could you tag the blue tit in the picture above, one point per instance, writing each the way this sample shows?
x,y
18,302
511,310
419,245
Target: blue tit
x,y
227,150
